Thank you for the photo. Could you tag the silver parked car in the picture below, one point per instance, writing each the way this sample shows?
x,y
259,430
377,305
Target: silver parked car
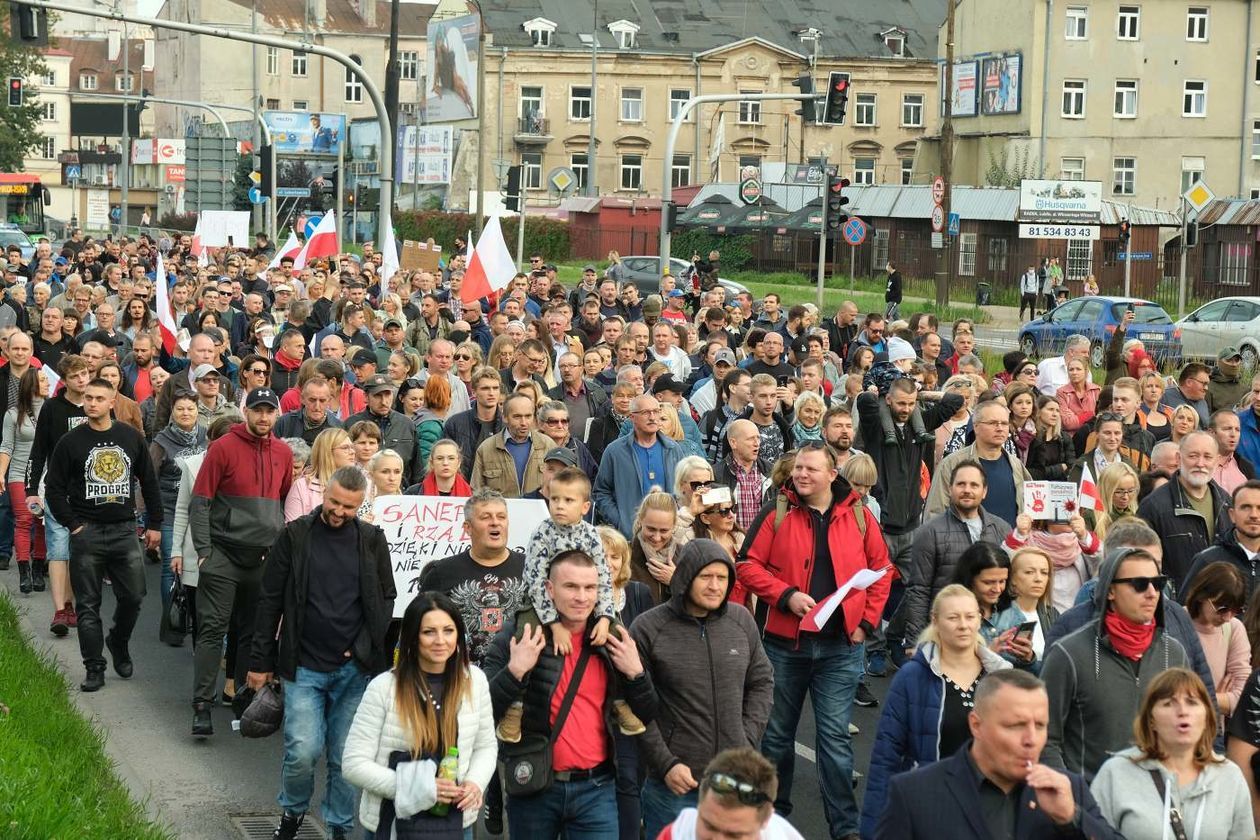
x,y
645,273
1220,323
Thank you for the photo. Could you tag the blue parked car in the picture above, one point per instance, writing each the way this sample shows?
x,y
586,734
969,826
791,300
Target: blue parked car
x,y
1096,318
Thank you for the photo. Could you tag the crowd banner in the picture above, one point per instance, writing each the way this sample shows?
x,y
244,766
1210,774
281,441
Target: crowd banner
x,y
421,529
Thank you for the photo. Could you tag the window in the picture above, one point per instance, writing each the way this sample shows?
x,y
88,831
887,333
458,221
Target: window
x,y
531,170
896,43
1194,99
865,113
625,40
580,103
1197,23
297,66
907,168
881,246
1080,259
967,254
1072,169
273,105
1255,140
531,101
631,172
409,65
750,112
1126,98
677,98
87,81
680,171
864,170
540,37
998,247
750,162
626,32
354,87
48,148
300,105
1191,172
632,104
49,112
1077,24
273,61
1123,175
50,78
1074,98
912,110
1127,23
124,82
577,162
1234,257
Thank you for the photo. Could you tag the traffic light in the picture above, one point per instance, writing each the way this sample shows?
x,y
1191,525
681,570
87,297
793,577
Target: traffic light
x,y
28,25
836,199
1126,231
807,112
837,98
512,198
671,215
15,93
266,168
1192,234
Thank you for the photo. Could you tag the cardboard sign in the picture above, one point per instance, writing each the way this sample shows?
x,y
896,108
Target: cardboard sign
x,y
1055,501
421,529
420,256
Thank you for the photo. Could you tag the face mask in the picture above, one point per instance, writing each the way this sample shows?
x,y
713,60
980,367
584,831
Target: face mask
x,y
268,340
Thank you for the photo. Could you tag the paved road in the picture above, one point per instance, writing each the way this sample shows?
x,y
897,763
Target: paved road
x,y
197,787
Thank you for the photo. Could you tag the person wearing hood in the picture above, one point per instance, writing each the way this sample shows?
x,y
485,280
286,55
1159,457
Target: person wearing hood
x,y
1121,350
679,641
1227,387
925,715
1239,545
792,561
1096,675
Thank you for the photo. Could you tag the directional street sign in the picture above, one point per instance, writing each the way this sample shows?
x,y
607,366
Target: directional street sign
x,y
256,196
854,231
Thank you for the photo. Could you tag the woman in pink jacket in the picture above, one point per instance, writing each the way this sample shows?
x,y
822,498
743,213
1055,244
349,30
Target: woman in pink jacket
x,y
331,450
1078,400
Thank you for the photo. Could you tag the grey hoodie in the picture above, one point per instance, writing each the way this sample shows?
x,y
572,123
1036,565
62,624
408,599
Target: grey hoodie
x,y
1094,691
715,684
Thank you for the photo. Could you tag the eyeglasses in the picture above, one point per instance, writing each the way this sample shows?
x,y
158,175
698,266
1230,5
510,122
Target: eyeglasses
x,y
1140,584
1110,417
1120,491
994,423
1228,608
1204,382
726,785
257,371
721,511
696,485
1028,371
556,421
462,357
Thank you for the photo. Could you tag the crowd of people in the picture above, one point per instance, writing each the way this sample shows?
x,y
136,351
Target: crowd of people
x,y
715,470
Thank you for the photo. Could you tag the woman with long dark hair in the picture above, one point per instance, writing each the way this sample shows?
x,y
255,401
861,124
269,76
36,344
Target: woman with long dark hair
x,y
433,700
15,449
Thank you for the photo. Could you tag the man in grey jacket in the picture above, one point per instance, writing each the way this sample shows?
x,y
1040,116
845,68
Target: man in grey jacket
x,y
713,680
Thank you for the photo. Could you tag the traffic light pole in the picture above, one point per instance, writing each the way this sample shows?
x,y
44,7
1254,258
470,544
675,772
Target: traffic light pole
x,y
1181,270
385,216
671,141
822,238
1128,254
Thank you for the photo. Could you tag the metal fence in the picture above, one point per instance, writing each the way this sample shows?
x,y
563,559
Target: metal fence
x,y
595,243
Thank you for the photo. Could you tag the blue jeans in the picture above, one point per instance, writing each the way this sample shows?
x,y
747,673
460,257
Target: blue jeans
x,y
661,806
829,669
318,710
585,810
6,526
168,576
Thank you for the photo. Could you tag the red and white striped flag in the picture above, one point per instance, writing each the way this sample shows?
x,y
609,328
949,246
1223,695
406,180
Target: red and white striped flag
x,y
166,316
291,248
1090,498
198,248
491,267
323,242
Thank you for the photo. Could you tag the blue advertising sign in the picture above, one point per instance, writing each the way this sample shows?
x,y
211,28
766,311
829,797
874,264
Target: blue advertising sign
x,y
306,132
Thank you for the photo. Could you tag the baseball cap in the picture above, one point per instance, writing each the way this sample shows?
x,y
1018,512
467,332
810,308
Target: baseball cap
x,y
202,371
725,356
561,454
666,382
675,293
282,287
362,356
392,322
101,337
262,396
378,383
1229,351
652,304
61,261
587,268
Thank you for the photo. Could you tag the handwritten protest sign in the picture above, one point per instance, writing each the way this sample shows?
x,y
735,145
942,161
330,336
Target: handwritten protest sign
x,y
421,529
1051,500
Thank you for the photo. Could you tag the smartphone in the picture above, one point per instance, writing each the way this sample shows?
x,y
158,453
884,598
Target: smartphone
x,y
716,496
1025,630
782,381
1129,308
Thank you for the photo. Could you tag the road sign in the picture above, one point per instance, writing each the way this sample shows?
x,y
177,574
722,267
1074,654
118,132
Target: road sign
x,y
954,222
73,172
1043,231
854,231
1138,256
562,181
938,189
308,230
256,196
938,218
938,240
1198,196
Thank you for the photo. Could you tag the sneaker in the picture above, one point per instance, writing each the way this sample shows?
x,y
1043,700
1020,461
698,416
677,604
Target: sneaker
x,y
627,721
24,578
493,820
95,679
289,826
877,665
853,729
123,665
72,617
59,626
509,729
203,723
864,697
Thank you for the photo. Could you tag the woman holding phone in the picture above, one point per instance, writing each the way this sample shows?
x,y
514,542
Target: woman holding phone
x,y
1031,612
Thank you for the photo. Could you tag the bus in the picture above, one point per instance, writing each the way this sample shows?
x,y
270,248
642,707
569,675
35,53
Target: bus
x,y
22,201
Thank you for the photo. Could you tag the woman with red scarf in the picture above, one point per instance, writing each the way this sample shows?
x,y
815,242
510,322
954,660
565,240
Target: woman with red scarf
x,y
1074,550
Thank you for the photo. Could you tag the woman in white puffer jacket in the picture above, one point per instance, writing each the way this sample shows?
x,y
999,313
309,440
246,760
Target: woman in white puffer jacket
x,y
405,715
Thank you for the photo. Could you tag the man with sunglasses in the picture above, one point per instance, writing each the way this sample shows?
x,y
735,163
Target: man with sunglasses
x,y
872,336
735,796
1096,675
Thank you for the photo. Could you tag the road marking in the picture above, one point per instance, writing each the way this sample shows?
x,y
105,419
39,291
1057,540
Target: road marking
x,y
806,753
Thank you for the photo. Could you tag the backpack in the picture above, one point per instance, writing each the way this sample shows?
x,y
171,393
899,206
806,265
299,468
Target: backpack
x,y
781,510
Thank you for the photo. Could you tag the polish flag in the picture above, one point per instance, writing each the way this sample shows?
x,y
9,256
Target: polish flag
x,y
291,249
166,316
323,242
1090,498
198,248
491,267
389,259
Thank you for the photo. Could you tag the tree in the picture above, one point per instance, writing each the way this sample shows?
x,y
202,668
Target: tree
x,y
19,127
241,183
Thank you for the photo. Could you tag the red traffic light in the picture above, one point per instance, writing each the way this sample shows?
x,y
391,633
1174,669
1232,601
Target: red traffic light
x,y
842,85
15,84
837,185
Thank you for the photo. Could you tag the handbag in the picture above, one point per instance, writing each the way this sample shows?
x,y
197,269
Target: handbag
x,y
1174,815
177,618
527,766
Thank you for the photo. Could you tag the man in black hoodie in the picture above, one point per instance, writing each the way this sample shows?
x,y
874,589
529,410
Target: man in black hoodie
x,y
1239,545
699,648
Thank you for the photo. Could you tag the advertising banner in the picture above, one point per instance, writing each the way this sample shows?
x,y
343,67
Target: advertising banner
x,y
1060,201
1002,77
306,132
424,154
450,88
963,98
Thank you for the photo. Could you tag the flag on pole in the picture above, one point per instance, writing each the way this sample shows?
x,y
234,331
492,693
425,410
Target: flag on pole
x,y
291,248
389,259
715,148
166,316
1090,498
468,249
198,248
323,242
491,267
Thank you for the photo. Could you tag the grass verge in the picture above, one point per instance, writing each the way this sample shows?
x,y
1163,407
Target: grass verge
x,y
55,781
837,291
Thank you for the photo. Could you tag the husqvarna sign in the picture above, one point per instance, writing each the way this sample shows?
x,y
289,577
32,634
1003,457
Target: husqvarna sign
x,y
1078,202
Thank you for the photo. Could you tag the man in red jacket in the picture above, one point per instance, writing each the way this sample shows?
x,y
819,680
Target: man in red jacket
x,y
793,560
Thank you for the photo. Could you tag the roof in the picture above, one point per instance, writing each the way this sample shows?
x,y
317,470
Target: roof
x,y
850,28
93,54
891,201
341,17
1231,211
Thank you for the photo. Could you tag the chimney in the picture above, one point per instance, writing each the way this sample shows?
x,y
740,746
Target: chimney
x,y
316,13
367,13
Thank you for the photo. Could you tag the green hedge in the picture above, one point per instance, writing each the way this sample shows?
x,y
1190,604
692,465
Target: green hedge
x,y
548,237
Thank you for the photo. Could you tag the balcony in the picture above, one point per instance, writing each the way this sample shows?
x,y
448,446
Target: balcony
x,y
533,131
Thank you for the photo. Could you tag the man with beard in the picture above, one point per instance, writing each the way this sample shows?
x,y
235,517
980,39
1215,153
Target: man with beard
x,y
1239,545
1192,508
838,433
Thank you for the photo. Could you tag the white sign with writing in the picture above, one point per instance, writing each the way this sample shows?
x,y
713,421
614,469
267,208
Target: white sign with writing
x,y
421,529
1055,501
97,216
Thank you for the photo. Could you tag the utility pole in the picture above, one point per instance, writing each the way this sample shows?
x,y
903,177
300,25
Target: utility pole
x,y
944,263
124,168
1181,273
391,69
591,189
481,116
258,210
822,228
1128,250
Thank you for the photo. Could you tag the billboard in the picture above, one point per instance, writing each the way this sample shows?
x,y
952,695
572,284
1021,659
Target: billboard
x,y
306,132
151,150
1078,202
450,87
1001,77
424,154
963,97
306,178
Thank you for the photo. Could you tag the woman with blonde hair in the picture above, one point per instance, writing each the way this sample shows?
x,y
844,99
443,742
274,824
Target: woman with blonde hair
x,y
1118,488
533,390
1030,585
1157,416
1184,421
431,420
502,352
331,451
653,546
692,475
401,366
1172,784
807,414
392,307
951,435
672,428
467,359
925,716
386,471
443,478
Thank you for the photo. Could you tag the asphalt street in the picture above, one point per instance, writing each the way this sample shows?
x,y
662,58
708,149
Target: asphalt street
x,y
201,789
